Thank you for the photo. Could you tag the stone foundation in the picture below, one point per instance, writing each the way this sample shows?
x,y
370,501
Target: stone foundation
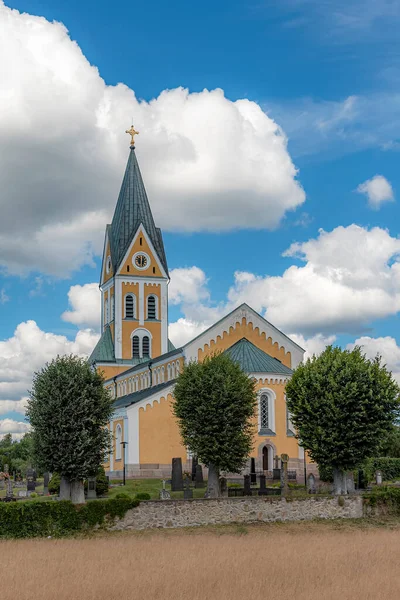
x,y
194,513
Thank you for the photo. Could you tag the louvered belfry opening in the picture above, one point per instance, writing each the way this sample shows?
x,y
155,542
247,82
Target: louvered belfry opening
x,y
135,347
151,307
129,307
146,346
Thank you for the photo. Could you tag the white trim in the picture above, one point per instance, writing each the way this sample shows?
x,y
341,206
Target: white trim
x,y
141,302
271,407
231,320
270,378
118,319
164,317
118,440
301,452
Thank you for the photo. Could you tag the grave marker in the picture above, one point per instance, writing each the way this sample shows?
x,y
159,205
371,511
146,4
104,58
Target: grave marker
x,y
91,488
247,486
177,479
284,474
187,491
199,481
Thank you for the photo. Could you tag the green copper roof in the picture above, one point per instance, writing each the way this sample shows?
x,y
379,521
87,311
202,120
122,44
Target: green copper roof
x,y
171,347
132,209
104,349
254,360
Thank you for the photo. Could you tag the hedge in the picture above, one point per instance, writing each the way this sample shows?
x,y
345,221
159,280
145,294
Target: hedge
x,y
389,497
23,519
390,468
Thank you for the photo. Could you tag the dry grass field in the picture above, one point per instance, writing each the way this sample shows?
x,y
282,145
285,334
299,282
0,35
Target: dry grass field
x,y
281,561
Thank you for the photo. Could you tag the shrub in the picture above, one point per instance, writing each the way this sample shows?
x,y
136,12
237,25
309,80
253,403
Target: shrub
x,y
122,495
325,473
390,468
54,484
32,519
389,497
143,496
101,482
34,495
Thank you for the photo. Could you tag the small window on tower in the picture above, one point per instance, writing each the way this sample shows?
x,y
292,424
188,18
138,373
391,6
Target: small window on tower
x,y
135,346
141,241
127,268
146,346
151,307
154,270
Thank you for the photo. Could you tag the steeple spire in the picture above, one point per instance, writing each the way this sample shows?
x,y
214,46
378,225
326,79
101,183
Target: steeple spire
x,y
133,209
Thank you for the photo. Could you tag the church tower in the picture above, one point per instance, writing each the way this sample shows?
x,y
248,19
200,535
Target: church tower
x,y
134,275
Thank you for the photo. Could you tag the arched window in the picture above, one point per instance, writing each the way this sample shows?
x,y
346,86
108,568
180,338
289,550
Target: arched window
x,y
135,347
118,389
173,371
137,384
177,367
107,312
130,306
264,411
118,440
146,346
151,307
162,374
124,388
169,371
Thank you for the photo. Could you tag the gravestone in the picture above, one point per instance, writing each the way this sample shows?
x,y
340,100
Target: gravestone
x,y
284,474
30,481
177,479
262,483
247,486
378,477
311,487
276,473
46,478
164,494
187,491
350,485
91,488
194,467
253,475
199,481
361,479
9,489
223,486
22,494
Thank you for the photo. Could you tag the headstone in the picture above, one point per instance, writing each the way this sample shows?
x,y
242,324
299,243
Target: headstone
x,y
22,493
361,479
177,479
187,491
30,481
311,487
276,461
194,466
164,494
247,486
91,488
46,478
276,473
284,474
350,486
199,481
262,483
223,486
253,475
378,476
9,489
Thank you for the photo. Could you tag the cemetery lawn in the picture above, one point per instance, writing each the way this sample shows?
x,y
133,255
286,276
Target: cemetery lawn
x,y
148,486
346,560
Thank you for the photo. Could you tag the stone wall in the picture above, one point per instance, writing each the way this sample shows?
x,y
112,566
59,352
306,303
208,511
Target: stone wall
x,y
193,513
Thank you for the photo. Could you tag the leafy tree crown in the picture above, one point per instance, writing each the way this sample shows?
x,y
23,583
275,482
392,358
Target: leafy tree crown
x,y
214,403
342,405
69,410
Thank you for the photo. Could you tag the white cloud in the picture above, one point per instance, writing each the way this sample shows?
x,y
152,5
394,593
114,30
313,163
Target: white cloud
x,y
351,277
378,190
18,406
208,163
385,346
14,427
313,345
187,285
3,296
85,306
183,330
27,351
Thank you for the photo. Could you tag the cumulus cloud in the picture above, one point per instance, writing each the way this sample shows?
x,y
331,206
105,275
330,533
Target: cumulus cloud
x,y
351,276
208,163
378,190
27,351
187,285
313,345
384,346
85,304
183,330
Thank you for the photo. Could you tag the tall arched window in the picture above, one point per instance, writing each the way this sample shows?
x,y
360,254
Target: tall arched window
x,y
118,440
107,312
169,371
151,307
177,367
264,411
173,371
146,346
135,347
162,374
130,306
124,388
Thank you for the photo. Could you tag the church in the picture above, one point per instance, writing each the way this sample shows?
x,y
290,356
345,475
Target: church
x,y
140,364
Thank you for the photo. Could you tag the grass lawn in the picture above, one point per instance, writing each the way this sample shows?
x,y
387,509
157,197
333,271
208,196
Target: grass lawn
x,y
149,486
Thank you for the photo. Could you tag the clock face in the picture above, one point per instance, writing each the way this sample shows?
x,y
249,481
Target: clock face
x,y
141,261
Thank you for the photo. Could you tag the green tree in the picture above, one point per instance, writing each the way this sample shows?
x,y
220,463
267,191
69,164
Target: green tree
x,y
342,405
69,409
391,443
214,402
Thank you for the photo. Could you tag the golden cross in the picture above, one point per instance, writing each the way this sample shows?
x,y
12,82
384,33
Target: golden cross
x,y
132,132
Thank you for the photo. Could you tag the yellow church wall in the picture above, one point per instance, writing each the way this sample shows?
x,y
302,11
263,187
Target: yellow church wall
x,y
107,276
118,462
159,438
152,271
109,371
246,330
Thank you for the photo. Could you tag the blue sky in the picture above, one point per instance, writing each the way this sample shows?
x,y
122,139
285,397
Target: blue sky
x,y
326,73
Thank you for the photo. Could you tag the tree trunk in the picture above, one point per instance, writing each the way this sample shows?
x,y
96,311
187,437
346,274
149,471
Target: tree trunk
x,y
213,489
65,489
77,492
339,482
